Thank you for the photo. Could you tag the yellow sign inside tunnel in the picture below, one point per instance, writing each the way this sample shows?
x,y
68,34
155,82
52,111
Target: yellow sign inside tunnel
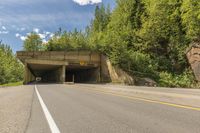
x,y
82,63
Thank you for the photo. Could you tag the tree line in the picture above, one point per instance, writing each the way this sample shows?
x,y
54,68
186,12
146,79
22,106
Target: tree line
x,y
146,38
11,70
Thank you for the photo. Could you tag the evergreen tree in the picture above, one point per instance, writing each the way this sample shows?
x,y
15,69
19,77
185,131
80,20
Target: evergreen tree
x,y
121,38
98,26
191,18
163,34
102,18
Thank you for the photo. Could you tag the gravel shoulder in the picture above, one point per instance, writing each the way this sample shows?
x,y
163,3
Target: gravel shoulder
x,y
15,108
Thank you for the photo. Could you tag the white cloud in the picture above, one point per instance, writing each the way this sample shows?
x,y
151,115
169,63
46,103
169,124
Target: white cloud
x,y
44,40
45,36
51,35
36,30
23,38
4,32
17,35
20,36
3,28
42,36
47,33
86,2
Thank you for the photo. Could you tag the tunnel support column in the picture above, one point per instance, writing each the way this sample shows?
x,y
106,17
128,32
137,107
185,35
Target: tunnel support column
x,y
28,76
63,74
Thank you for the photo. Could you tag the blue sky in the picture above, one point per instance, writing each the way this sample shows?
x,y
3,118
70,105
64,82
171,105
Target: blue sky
x,y
20,17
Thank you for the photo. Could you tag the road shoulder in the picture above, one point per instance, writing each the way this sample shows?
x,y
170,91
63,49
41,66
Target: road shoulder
x,y
15,106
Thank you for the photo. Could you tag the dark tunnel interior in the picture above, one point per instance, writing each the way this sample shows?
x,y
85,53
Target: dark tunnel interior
x,y
82,75
47,73
76,74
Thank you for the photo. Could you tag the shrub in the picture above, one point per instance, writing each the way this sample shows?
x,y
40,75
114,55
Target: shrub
x,y
185,80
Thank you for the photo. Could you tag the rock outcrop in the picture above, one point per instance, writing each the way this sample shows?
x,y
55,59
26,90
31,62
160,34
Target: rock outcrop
x,y
145,82
193,56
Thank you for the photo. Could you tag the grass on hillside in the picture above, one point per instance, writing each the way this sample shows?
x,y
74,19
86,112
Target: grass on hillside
x,y
12,84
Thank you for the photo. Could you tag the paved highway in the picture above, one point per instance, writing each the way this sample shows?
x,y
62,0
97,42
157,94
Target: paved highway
x,y
108,109
80,109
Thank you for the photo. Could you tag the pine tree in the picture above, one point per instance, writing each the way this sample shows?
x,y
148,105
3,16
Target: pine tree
x,y
98,26
164,35
121,37
191,18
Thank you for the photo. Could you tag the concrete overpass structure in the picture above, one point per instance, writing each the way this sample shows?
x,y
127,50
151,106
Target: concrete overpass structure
x,y
61,67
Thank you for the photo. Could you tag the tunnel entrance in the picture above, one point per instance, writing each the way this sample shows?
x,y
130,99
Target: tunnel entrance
x,y
63,66
47,73
82,74
70,73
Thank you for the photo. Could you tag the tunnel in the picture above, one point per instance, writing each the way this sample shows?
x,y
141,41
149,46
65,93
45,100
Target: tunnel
x,y
78,74
70,73
47,73
79,66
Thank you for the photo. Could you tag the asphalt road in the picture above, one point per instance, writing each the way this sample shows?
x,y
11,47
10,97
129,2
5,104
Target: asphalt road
x,y
86,109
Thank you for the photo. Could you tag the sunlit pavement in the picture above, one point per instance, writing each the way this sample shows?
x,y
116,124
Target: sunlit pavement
x,y
84,108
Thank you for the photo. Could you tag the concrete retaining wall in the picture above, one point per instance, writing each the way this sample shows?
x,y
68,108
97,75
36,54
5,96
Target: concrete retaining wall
x,y
114,74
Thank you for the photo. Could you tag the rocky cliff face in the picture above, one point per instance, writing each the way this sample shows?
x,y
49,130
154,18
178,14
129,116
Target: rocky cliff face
x,y
193,56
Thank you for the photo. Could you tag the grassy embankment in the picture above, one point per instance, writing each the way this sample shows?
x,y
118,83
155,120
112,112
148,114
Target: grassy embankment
x,y
12,84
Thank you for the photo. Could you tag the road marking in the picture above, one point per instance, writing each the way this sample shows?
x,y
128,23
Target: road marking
x,y
51,122
144,99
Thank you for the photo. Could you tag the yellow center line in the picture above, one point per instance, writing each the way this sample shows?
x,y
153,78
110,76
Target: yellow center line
x,y
143,99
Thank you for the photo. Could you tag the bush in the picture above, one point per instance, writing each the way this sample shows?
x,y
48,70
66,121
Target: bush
x,y
185,80
135,61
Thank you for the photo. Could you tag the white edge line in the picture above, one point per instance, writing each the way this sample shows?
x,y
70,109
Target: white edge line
x,y
51,122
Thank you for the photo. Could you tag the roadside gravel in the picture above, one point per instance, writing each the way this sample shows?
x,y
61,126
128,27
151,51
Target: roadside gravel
x,y
15,108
